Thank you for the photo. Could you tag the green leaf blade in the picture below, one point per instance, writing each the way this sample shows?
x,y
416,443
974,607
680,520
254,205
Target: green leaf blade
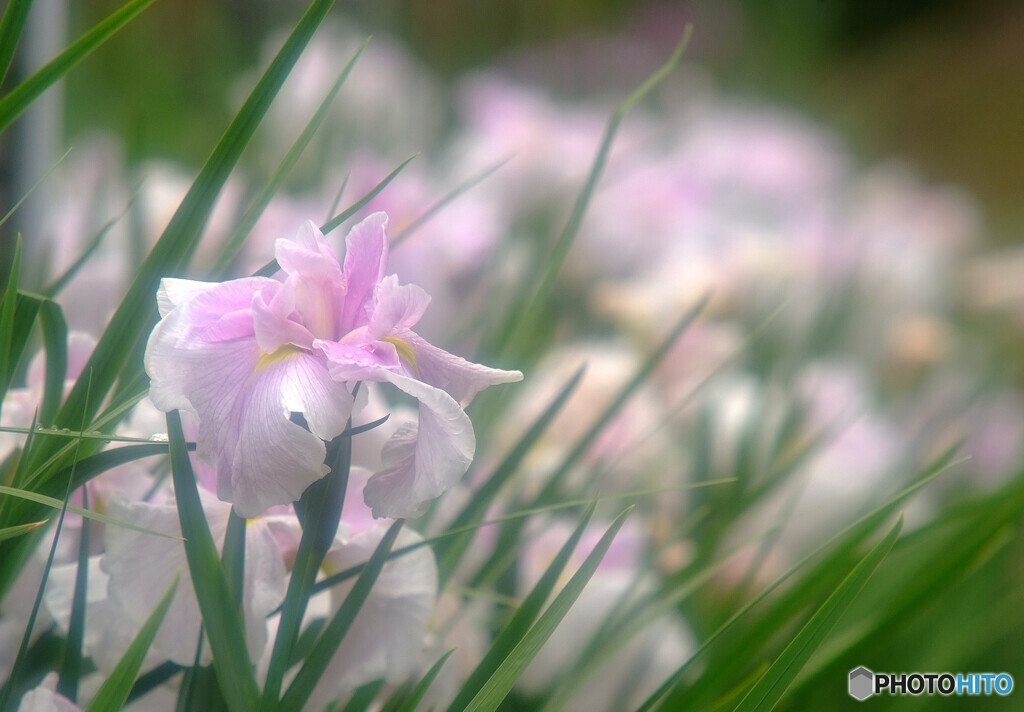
x,y
115,690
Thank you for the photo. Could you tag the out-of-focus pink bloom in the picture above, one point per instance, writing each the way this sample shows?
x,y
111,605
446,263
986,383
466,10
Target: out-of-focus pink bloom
x,y
243,355
45,698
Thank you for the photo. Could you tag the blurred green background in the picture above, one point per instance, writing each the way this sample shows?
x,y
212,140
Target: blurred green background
x,y
936,82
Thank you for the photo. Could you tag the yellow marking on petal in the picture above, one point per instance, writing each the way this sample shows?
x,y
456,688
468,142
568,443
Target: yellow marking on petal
x,y
405,351
282,354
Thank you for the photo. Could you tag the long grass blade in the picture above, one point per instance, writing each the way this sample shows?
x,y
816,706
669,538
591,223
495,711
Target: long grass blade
x,y
450,552
504,678
11,27
519,625
252,215
176,245
222,619
19,99
118,686
71,668
326,645
55,341
767,691
528,312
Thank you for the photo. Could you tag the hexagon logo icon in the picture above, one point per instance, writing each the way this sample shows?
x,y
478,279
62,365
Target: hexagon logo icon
x,y
862,683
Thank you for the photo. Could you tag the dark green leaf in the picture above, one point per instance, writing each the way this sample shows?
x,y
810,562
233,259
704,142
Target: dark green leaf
x,y
115,689
222,618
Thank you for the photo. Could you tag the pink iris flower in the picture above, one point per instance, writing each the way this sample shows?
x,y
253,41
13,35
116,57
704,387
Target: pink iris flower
x,y
244,355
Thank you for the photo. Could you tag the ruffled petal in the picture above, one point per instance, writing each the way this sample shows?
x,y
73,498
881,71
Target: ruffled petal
x,y
421,462
273,328
359,361
456,376
244,399
308,388
308,253
399,306
366,259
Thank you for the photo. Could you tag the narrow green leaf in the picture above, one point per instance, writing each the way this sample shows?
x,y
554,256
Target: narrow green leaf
x,y
55,342
131,323
222,619
411,703
319,512
320,657
233,556
841,543
445,201
71,664
450,553
504,678
57,285
527,313
361,203
9,349
519,625
272,266
252,215
11,27
25,93
55,503
554,482
115,689
363,697
20,529
767,691
32,190
21,659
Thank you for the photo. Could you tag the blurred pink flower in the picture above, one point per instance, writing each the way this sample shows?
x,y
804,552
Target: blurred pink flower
x,y
244,355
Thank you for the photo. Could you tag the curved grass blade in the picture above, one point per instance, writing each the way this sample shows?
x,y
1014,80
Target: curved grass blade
x,y
323,650
11,27
25,93
363,697
528,310
222,619
17,317
519,625
252,215
504,678
767,691
114,692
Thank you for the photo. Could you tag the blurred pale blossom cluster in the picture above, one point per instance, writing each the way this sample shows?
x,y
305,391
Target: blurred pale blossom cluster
x,y
835,348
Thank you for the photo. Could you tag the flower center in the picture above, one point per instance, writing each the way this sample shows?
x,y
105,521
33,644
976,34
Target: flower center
x,y
282,354
405,351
